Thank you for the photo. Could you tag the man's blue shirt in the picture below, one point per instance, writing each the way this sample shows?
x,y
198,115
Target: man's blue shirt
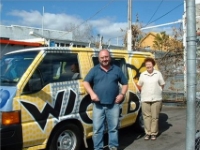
x,y
105,84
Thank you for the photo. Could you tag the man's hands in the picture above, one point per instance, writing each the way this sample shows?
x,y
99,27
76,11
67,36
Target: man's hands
x,y
119,98
88,88
94,97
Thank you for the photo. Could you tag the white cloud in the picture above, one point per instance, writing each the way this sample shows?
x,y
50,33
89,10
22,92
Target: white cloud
x,y
51,21
32,18
107,27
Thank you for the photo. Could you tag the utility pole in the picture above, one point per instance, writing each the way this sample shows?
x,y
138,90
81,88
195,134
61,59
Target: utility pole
x,y
129,33
184,51
43,21
191,39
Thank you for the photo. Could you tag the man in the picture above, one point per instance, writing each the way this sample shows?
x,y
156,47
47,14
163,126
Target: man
x,y
75,70
104,79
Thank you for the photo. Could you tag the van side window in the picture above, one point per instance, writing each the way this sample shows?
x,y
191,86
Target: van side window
x,y
55,67
59,67
120,62
34,84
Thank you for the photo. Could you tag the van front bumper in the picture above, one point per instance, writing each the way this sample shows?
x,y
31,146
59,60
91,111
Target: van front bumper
x,y
11,137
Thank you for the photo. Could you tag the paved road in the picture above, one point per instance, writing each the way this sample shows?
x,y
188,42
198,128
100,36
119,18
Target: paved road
x,y
171,137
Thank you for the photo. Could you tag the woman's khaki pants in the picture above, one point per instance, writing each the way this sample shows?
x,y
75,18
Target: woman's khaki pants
x,y
150,112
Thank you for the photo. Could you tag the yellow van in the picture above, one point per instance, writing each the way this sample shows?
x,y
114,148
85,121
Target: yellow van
x,y
42,104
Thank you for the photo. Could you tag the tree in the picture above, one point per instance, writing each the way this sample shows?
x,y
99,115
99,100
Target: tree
x,y
136,35
161,41
171,61
82,33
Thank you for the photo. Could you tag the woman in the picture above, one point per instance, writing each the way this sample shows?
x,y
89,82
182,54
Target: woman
x,y
151,84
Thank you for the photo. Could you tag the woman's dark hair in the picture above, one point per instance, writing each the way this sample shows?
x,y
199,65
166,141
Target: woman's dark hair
x,y
149,59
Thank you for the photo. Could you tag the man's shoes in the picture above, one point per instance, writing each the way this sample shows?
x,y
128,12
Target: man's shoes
x,y
112,148
147,137
153,137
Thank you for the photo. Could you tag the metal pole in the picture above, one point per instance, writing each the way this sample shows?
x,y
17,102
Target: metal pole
x,y
184,52
129,14
129,34
191,73
43,21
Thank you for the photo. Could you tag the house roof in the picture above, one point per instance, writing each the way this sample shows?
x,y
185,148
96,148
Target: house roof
x,y
150,33
13,42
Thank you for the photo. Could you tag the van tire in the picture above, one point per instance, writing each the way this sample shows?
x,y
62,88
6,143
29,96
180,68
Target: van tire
x,y
66,137
139,124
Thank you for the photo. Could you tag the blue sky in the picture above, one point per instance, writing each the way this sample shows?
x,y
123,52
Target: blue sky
x,y
106,17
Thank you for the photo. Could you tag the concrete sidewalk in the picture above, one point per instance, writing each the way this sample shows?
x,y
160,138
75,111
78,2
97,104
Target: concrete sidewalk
x,y
172,133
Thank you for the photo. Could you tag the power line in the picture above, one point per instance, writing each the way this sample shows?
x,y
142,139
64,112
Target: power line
x,y
175,22
89,18
153,14
166,13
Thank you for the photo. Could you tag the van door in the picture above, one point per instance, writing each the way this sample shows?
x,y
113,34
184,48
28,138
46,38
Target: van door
x,y
51,93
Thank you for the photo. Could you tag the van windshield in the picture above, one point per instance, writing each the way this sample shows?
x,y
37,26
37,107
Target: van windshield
x,y
13,67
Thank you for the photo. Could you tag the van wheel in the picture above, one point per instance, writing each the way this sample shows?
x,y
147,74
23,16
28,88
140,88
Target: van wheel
x,y
139,124
66,137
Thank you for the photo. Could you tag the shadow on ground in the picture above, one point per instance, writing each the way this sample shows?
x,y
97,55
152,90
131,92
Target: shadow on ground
x,y
128,135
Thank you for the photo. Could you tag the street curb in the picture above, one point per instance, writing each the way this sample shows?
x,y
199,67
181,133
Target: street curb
x,y
174,103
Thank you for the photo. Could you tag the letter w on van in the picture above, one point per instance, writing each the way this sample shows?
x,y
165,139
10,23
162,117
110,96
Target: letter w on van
x,y
41,117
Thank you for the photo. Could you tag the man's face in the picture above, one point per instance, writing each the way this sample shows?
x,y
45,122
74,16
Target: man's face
x,y
74,68
104,58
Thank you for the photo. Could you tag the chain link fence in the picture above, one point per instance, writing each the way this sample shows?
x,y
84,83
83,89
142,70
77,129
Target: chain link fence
x,y
172,68
197,136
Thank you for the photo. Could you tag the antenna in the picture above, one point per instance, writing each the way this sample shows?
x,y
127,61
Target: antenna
x,y
43,21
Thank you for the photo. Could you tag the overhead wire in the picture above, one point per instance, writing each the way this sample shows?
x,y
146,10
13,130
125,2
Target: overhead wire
x,y
166,13
154,13
88,18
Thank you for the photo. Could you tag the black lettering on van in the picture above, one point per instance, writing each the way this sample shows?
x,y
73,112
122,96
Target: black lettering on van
x,y
41,117
71,102
137,70
133,98
86,101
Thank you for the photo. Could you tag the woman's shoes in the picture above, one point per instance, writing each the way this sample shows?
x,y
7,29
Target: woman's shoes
x,y
147,137
153,137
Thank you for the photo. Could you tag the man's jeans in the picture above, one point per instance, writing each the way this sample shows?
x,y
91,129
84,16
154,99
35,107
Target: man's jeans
x,y
110,113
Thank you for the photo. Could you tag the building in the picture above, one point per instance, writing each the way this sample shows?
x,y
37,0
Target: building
x,y
16,32
147,41
16,37
165,42
7,45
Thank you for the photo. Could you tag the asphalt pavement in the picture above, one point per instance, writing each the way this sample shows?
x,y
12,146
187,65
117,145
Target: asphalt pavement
x,y
172,126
